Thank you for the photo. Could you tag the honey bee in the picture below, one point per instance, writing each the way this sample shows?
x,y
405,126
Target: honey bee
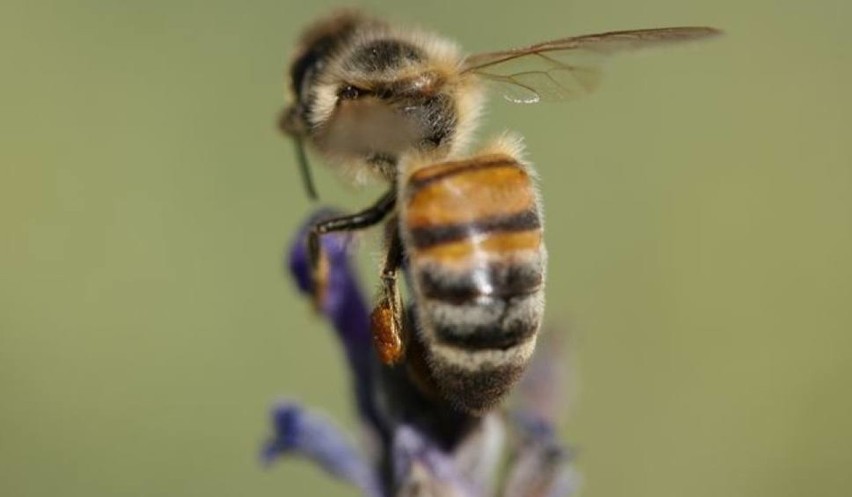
x,y
400,105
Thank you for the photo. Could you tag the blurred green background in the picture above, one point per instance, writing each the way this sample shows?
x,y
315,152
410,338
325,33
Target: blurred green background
x,y
699,215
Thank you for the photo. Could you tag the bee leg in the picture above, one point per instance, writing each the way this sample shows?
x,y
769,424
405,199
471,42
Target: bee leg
x,y
386,318
364,219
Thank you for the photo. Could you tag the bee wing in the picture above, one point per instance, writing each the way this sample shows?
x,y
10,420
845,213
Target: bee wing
x,y
568,67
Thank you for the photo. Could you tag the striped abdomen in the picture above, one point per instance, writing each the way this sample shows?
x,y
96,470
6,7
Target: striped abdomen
x,y
472,231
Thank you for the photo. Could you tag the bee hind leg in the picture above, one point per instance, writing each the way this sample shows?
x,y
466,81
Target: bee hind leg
x,y
386,318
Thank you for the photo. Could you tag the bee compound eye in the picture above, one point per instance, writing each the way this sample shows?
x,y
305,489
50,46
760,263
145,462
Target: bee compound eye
x,y
349,92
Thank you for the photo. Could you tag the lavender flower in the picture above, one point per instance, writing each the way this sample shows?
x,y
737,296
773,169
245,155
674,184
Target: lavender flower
x,y
424,446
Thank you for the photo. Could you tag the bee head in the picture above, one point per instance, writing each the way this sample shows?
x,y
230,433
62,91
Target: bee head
x,y
384,97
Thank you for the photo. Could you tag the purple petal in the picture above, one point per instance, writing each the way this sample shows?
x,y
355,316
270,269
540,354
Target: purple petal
x,y
540,470
422,469
343,302
480,454
540,463
344,305
311,435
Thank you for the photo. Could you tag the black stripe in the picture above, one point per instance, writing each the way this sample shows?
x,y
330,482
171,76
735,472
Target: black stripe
x,y
505,323
500,279
418,184
429,236
476,391
487,338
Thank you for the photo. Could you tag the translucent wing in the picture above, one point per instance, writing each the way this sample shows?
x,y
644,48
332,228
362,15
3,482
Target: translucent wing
x,y
568,67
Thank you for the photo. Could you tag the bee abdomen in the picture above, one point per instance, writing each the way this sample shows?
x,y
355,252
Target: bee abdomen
x,y
476,255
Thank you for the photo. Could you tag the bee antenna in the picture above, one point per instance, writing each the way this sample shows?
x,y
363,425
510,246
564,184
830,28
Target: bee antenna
x,y
304,168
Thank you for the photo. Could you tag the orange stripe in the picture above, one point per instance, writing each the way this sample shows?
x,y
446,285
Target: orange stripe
x,y
497,244
471,195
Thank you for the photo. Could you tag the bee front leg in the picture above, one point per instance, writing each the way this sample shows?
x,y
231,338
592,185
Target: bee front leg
x,y
386,318
368,217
